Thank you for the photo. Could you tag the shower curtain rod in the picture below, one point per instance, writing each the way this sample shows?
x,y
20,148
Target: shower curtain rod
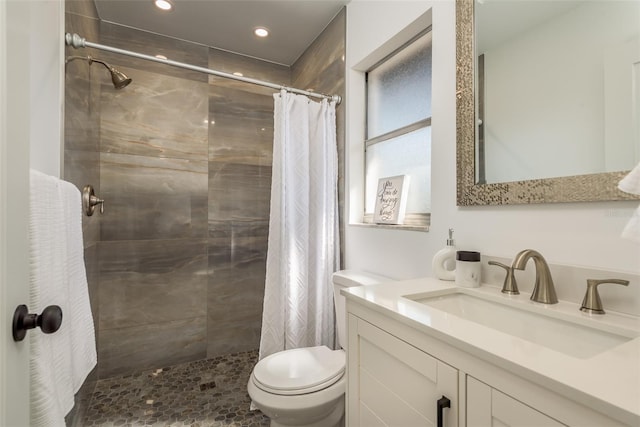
x,y
77,42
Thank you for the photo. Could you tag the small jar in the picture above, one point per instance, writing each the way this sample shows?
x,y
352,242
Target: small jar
x,y
468,269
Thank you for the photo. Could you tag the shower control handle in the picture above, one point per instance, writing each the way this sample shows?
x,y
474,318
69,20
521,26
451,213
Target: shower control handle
x,y
49,321
90,201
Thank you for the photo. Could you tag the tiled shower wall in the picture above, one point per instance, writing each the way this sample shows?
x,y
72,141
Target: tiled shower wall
x,y
183,161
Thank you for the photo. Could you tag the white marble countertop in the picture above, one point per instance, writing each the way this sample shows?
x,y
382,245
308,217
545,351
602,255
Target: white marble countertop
x,y
612,376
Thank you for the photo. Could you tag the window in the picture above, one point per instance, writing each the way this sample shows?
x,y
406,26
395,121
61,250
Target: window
x,y
398,134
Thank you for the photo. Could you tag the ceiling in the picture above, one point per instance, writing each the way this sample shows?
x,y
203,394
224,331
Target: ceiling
x,y
229,24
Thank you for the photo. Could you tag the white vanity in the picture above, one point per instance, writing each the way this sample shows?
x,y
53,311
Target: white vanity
x,y
497,360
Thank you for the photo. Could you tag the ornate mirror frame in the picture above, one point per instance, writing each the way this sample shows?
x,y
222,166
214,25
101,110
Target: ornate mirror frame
x,y
581,188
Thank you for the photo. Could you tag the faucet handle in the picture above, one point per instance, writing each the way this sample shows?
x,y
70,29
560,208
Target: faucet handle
x,y
509,286
592,303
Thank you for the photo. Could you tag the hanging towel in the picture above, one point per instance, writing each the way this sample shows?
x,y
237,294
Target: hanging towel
x,y
61,361
631,184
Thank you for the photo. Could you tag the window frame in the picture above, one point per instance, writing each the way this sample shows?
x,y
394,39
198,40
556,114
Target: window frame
x,y
413,220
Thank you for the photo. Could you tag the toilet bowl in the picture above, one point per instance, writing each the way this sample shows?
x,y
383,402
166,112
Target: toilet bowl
x,y
305,387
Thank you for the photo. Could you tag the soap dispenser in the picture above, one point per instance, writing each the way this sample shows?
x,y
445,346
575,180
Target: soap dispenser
x,y
444,260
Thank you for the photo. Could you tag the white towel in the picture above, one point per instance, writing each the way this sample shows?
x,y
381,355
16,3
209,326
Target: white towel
x,y
60,361
631,183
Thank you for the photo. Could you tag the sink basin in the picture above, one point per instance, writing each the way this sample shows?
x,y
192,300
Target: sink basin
x,y
528,322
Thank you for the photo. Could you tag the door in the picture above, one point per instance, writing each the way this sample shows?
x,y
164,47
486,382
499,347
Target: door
x,y
14,204
488,407
392,383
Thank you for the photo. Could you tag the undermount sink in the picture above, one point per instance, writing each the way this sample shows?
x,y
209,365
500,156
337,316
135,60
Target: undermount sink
x,y
530,322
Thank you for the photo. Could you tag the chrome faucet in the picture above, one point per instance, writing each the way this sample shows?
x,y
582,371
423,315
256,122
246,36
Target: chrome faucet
x,y
543,291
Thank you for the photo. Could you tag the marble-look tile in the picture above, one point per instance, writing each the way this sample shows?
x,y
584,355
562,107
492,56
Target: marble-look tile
x,y
82,168
236,290
81,121
322,68
249,241
153,44
156,115
219,244
241,129
81,19
151,281
235,298
82,91
92,270
239,192
142,216
229,62
81,7
123,173
126,350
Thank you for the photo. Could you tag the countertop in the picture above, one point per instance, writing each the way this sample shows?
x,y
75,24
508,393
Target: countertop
x,y
611,377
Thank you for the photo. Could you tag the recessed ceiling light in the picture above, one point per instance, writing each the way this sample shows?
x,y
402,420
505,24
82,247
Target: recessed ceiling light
x,y
163,4
261,32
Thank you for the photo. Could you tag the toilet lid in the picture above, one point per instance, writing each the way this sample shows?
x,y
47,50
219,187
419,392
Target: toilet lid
x,y
298,371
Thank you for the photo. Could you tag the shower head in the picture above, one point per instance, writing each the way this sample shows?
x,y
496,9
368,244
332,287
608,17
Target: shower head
x,y
118,78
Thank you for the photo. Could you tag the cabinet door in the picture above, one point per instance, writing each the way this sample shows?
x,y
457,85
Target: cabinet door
x,y
392,383
487,406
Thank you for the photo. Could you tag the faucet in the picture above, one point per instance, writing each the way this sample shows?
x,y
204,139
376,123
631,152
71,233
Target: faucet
x,y
543,291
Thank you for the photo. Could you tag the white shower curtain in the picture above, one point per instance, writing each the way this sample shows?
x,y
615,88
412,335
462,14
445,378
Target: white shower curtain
x,y
304,247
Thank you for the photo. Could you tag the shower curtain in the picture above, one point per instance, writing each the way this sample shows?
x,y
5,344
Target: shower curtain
x,y
303,247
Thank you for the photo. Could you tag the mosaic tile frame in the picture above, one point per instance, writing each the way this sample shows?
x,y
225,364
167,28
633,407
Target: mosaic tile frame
x,y
580,188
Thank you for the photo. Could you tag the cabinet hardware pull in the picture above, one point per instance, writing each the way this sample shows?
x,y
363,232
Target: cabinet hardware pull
x,y
443,402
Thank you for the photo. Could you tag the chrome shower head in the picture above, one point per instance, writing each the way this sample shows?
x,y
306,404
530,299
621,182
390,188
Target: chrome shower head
x,y
118,78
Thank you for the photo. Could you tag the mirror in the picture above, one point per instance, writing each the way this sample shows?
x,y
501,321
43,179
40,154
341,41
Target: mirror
x,y
492,169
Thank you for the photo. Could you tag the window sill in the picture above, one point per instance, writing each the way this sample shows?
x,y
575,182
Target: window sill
x,y
402,227
412,222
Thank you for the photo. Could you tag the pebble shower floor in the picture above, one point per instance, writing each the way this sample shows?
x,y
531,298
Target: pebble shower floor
x,y
204,393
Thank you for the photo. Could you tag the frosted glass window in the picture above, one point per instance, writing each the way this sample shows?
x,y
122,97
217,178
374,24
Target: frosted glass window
x,y
409,154
399,89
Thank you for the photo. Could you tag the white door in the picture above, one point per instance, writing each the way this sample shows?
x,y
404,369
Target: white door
x,y
393,384
14,205
488,407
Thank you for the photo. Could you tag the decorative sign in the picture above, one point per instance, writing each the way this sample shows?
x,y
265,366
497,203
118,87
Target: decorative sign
x,y
391,200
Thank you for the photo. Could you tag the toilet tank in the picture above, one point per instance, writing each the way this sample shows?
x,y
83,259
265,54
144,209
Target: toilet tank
x,y
346,279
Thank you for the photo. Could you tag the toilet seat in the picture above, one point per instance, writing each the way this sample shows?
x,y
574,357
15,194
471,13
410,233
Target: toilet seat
x,y
299,371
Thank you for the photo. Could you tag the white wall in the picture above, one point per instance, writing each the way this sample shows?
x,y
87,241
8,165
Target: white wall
x,y
46,76
583,234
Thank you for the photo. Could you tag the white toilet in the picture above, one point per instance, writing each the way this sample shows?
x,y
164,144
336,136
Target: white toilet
x,y
305,387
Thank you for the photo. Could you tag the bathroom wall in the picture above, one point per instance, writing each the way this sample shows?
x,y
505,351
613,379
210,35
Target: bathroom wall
x,y
153,171
183,161
81,152
239,161
578,234
321,68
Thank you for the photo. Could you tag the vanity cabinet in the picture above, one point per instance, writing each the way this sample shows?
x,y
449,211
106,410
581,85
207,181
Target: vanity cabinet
x,y
488,407
397,373
396,384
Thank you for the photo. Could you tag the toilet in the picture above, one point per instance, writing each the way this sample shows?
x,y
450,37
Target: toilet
x,y
305,387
